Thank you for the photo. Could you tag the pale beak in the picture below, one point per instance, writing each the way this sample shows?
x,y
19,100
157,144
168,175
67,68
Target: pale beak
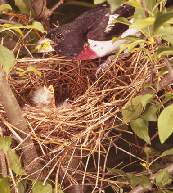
x,y
44,46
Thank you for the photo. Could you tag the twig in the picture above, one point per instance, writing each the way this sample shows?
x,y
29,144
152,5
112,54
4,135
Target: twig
x,y
13,180
143,3
2,160
141,189
7,21
169,78
51,11
41,10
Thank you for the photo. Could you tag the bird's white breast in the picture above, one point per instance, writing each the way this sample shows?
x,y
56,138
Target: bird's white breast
x,y
103,48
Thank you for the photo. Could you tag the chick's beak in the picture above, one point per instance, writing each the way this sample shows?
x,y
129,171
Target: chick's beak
x,y
44,46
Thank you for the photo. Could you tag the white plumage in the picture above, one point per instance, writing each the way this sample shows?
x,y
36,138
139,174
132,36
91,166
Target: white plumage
x,y
43,96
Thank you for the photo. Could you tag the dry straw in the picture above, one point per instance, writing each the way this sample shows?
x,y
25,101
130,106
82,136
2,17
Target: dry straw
x,y
74,138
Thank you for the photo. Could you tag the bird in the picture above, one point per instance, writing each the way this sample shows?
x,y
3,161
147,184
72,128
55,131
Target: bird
x,y
44,96
90,35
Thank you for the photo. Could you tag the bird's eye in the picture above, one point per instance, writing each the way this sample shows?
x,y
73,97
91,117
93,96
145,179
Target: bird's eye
x,y
59,36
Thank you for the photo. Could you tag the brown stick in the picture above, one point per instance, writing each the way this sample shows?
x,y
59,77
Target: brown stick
x,y
141,189
15,117
168,79
41,10
3,164
51,11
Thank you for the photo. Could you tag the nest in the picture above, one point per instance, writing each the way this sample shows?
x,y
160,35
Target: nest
x,y
75,139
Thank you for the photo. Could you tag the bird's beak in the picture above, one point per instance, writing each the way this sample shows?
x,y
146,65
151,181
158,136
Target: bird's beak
x,y
44,46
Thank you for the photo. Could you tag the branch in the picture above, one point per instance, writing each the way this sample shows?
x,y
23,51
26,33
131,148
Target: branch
x,y
141,189
15,117
168,79
143,3
7,21
51,11
3,165
41,10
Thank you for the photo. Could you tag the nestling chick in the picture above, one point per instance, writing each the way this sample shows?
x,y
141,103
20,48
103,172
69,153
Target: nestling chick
x,y
44,97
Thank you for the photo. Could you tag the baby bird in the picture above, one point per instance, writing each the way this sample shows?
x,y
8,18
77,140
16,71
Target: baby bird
x,y
44,97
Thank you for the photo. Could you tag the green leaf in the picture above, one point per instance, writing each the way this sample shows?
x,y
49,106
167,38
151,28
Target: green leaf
x,y
99,1
135,3
116,171
4,185
114,4
117,189
165,123
140,128
167,152
7,59
14,27
14,163
38,26
132,46
5,8
5,143
22,5
149,151
163,178
167,191
131,112
150,4
150,113
145,99
59,189
166,33
168,96
164,191
138,180
165,51
139,13
161,19
134,108
143,23
122,20
22,186
39,187
34,70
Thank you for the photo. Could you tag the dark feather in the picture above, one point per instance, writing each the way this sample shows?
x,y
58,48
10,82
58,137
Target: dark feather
x,y
70,38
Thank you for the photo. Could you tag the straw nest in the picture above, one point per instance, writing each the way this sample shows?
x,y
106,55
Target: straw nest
x,y
75,138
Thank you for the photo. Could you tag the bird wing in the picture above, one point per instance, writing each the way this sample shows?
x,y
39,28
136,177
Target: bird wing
x,y
106,29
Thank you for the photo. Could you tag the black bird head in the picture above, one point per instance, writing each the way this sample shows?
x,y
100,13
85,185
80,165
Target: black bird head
x,y
66,40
